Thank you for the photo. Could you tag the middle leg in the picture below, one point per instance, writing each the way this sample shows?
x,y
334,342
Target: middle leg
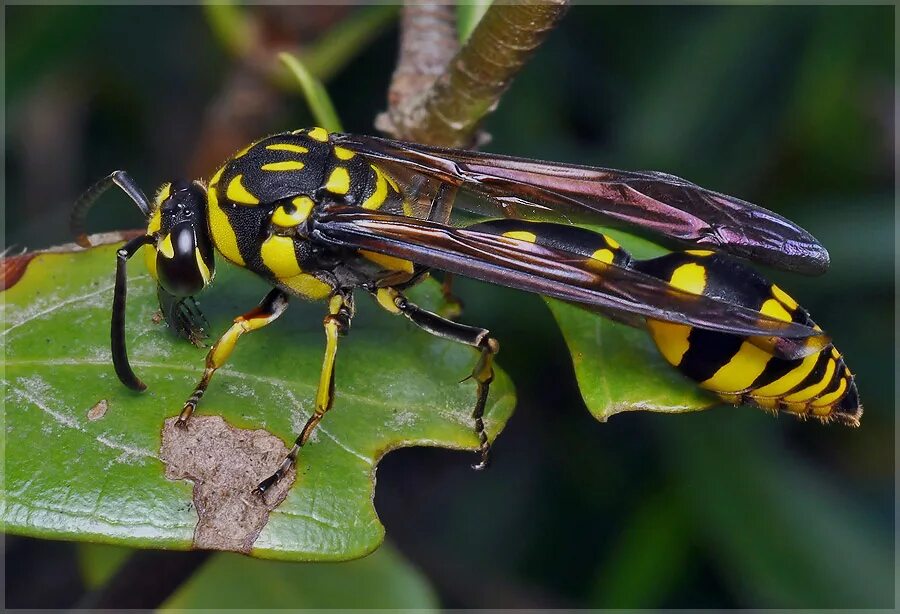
x,y
337,323
479,338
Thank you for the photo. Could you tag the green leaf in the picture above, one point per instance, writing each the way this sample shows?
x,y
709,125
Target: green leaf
x,y
618,368
381,580
71,477
468,15
316,96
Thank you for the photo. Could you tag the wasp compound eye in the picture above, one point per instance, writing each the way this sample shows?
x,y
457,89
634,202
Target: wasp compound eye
x,y
182,267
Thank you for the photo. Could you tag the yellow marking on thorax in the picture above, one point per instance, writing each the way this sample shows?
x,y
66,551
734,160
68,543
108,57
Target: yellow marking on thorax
x,y
287,147
278,255
690,278
741,371
318,134
603,255
699,252
307,286
671,339
286,165
810,392
342,153
786,299
304,205
238,193
165,191
215,178
611,242
789,380
155,222
243,152
301,208
390,263
378,197
339,181
150,260
521,235
221,231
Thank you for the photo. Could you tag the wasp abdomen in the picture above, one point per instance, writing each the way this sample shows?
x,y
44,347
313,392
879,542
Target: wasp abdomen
x,y
741,369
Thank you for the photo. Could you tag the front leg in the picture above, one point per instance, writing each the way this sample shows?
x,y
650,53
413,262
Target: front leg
x,y
183,316
479,338
337,323
272,306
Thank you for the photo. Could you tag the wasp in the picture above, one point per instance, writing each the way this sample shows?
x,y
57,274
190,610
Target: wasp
x,y
322,215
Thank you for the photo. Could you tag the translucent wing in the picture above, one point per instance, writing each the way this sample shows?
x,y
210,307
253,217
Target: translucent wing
x,y
663,204
553,272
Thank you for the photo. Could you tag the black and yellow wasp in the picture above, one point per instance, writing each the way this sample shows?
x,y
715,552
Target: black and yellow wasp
x,y
321,215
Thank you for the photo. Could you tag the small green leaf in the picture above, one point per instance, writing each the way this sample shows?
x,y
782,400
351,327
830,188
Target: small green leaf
x,y
316,96
338,45
381,580
468,14
100,478
618,367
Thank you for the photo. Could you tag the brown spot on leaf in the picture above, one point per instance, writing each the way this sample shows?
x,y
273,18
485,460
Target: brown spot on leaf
x,y
225,464
157,317
98,410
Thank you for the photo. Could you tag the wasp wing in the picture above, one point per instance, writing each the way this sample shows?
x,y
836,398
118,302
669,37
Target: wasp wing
x,y
664,204
554,272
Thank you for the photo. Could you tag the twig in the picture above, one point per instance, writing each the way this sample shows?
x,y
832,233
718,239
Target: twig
x,y
427,44
450,110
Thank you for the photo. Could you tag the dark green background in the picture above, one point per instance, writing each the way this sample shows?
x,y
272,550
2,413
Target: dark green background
x,y
788,107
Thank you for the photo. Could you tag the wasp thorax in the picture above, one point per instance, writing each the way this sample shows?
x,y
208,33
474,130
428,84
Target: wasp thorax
x,y
183,262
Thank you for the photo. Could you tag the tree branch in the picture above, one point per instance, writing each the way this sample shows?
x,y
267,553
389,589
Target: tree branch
x,y
448,110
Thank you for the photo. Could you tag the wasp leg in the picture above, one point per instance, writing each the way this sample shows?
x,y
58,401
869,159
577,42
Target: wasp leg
x,y
184,317
479,338
337,323
272,306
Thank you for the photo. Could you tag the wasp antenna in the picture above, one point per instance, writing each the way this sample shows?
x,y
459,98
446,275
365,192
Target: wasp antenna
x,y
79,212
117,332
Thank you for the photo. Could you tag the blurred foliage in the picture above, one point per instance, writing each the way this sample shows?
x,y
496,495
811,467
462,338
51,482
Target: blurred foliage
x,y
229,581
314,93
789,107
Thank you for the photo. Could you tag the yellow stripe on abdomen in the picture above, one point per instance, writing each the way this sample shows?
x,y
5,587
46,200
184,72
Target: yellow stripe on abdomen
x,y
739,373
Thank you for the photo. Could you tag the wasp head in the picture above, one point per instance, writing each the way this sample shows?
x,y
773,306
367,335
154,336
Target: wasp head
x,y
182,261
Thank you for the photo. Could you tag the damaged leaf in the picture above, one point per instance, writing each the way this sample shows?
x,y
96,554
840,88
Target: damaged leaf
x,y
72,477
